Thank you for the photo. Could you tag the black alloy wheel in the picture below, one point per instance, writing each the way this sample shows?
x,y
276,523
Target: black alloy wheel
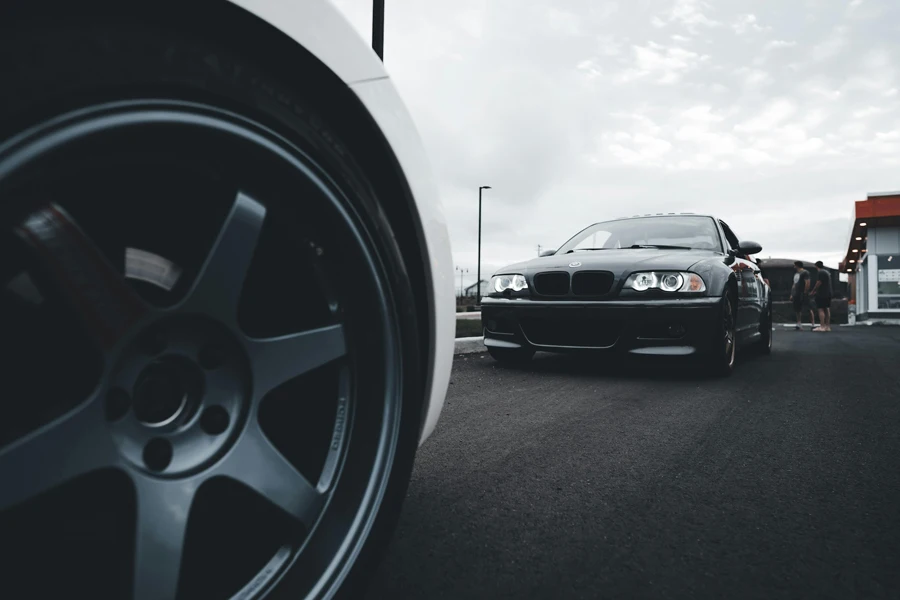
x,y
208,389
724,347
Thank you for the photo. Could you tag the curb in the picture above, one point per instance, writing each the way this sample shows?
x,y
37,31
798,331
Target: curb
x,y
468,315
469,345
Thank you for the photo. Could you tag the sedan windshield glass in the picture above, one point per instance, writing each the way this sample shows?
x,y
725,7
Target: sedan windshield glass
x,y
672,233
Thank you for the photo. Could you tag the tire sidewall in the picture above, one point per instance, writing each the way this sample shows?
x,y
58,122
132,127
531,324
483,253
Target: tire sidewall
x,y
767,331
722,364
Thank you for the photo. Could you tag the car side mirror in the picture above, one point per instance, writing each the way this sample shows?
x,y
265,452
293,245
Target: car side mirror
x,y
749,248
548,252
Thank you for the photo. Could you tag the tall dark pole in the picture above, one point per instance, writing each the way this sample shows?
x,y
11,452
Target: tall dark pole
x,y
378,28
478,292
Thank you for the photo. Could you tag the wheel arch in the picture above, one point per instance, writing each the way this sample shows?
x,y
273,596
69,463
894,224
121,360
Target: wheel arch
x,y
731,285
264,43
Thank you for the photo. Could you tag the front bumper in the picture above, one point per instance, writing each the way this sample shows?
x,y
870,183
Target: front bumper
x,y
627,326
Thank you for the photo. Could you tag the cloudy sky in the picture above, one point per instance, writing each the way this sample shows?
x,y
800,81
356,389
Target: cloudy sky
x,y
775,115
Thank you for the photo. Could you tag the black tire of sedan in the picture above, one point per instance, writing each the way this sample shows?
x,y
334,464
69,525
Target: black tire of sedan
x,y
120,142
511,356
766,332
724,346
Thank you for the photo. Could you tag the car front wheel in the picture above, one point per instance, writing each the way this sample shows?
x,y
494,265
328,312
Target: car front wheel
x,y
212,382
723,351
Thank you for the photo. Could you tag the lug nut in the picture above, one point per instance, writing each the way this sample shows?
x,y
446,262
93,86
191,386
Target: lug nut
x,y
117,404
214,420
157,454
211,357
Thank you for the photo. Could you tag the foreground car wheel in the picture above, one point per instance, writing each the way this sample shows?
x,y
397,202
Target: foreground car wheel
x,y
512,356
724,347
212,389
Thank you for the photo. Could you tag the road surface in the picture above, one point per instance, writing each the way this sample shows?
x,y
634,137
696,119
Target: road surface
x,y
569,479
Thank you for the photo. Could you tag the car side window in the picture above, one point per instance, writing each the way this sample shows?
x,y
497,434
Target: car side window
x,y
729,235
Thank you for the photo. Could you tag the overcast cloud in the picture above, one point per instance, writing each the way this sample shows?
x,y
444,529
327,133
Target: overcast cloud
x,y
774,115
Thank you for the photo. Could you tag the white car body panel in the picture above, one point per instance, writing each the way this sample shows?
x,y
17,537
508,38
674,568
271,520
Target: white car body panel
x,y
384,103
323,31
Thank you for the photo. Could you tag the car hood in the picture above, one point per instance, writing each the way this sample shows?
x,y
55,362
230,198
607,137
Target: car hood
x,y
619,262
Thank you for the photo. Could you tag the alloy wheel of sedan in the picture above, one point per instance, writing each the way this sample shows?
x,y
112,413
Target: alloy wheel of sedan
x,y
768,331
205,327
724,347
728,327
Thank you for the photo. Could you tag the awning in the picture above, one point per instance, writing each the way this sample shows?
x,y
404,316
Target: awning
x,y
880,209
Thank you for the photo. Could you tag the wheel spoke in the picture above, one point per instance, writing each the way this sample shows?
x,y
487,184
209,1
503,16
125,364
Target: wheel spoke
x,y
106,306
72,445
163,508
256,463
217,289
277,360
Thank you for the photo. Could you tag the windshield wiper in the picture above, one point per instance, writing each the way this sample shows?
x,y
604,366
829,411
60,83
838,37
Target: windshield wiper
x,y
585,249
660,246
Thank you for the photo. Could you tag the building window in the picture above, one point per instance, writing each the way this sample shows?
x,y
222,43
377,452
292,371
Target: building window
x,y
888,287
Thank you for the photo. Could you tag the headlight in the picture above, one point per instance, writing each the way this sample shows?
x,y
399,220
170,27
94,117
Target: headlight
x,y
642,281
671,282
667,281
501,283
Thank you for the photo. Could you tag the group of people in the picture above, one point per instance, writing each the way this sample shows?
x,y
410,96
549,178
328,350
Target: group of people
x,y
819,297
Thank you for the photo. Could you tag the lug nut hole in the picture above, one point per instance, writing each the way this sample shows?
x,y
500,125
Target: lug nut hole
x,y
214,420
157,454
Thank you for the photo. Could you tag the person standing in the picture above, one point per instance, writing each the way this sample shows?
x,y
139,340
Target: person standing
x,y
800,295
823,292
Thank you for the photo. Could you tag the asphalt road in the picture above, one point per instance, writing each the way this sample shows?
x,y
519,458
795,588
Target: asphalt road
x,y
570,479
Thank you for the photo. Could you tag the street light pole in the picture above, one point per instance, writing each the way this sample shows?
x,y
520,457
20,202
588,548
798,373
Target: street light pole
x,y
478,292
378,28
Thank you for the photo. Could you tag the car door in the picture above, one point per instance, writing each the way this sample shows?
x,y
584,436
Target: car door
x,y
756,296
749,288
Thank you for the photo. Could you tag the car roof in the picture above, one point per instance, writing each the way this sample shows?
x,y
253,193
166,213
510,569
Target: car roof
x,y
683,214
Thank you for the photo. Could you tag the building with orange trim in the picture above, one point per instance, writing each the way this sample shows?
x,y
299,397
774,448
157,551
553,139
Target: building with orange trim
x,y
872,260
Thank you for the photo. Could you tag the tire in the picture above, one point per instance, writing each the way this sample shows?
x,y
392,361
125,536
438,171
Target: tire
x,y
767,332
52,69
723,351
512,356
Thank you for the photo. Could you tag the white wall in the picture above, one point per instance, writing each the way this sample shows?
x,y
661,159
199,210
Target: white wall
x,y
872,276
884,241
862,300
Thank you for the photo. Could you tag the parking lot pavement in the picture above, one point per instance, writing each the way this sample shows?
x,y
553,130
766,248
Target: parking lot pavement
x,y
571,478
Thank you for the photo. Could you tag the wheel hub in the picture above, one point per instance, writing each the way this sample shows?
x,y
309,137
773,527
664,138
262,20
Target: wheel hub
x,y
162,393
177,395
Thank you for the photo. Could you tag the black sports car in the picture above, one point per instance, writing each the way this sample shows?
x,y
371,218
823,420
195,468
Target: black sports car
x,y
676,284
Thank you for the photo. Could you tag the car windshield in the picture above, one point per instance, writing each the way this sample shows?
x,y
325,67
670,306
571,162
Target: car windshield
x,y
673,232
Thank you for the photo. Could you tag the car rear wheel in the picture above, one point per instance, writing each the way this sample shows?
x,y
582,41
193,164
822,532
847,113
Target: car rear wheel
x,y
766,331
212,382
513,356
724,347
